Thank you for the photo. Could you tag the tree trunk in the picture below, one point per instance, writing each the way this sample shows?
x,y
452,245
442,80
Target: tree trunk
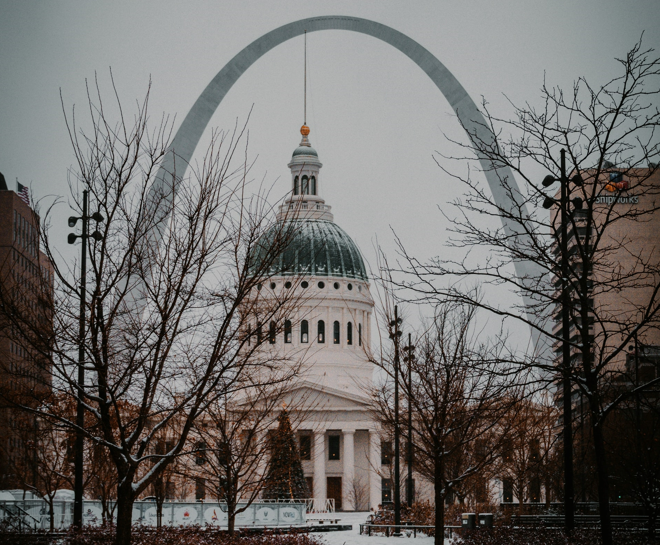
x,y
231,521
51,514
603,482
438,487
125,499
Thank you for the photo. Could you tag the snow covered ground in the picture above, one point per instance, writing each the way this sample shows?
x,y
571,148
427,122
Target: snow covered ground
x,y
353,537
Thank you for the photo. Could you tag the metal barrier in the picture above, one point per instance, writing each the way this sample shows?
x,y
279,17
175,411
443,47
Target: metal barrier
x,y
34,514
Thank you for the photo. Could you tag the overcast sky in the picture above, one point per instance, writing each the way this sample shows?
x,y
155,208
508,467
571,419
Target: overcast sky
x,y
376,119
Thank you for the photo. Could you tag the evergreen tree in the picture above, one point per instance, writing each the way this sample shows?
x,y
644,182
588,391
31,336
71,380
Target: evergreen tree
x,y
285,479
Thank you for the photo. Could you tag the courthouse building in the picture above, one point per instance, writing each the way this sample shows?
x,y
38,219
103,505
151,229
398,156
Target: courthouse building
x,y
339,437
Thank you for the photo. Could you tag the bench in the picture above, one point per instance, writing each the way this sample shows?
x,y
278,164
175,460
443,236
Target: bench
x,y
330,517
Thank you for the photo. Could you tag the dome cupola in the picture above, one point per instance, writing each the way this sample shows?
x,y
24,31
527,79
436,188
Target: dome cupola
x,y
317,246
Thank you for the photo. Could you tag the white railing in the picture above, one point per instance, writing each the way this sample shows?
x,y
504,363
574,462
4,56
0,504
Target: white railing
x,y
34,513
316,506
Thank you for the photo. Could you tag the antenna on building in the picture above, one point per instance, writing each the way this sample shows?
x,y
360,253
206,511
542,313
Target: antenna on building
x,y
305,85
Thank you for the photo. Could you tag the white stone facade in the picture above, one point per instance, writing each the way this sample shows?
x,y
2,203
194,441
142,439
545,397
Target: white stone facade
x,y
330,402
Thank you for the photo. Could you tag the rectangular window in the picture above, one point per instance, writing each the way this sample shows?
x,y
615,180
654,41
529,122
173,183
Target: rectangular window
x,y
200,488
386,490
336,333
385,452
333,447
507,491
305,447
360,334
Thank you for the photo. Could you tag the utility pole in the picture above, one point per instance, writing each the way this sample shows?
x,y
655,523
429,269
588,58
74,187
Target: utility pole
x,y
80,408
396,334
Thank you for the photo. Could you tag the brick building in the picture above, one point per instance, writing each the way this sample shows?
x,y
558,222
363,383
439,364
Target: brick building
x,y
623,281
26,322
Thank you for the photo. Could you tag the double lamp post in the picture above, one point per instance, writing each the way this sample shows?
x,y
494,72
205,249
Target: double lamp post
x,y
80,385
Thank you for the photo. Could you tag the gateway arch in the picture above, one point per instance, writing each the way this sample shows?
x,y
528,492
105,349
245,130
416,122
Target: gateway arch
x,y
193,126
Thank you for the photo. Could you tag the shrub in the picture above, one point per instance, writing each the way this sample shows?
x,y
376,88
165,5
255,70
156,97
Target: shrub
x,y
167,535
545,536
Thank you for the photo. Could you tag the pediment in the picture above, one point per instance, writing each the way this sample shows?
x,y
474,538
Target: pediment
x,y
309,396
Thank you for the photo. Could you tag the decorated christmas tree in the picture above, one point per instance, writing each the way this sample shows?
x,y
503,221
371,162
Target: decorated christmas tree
x,y
285,479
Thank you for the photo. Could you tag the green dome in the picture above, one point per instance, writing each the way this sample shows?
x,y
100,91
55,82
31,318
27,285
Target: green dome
x,y
317,248
305,150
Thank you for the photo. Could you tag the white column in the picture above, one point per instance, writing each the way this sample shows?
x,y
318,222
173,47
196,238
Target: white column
x,y
320,482
374,469
349,470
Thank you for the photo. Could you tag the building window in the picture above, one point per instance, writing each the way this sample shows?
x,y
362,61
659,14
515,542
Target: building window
x,y
259,334
349,333
412,488
287,331
305,185
360,334
169,490
200,488
296,186
507,491
321,331
304,331
272,333
385,452
313,185
333,447
336,336
305,447
386,488
535,489
200,455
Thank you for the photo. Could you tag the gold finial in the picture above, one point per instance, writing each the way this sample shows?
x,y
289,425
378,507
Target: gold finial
x,y
304,130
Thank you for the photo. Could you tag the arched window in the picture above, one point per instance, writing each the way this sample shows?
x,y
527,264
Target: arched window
x,y
305,185
313,185
349,333
287,331
259,334
272,333
336,337
296,186
304,331
360,334
321,332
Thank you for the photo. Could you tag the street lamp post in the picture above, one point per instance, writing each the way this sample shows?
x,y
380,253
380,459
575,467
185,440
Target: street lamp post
x,y
410,358
397,475
569,487
80,409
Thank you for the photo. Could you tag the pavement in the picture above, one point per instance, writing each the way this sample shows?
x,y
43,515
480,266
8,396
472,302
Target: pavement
x,y
353,537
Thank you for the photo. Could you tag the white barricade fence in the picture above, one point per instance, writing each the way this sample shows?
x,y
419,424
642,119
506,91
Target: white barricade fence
x,y
263,513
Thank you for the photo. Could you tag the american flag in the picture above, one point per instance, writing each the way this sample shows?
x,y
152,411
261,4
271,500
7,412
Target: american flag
x,y
23,193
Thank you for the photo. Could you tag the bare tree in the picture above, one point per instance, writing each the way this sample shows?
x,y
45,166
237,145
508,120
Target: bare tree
x,y
358,494
612,279
462,397
231,441
527,455
166,320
